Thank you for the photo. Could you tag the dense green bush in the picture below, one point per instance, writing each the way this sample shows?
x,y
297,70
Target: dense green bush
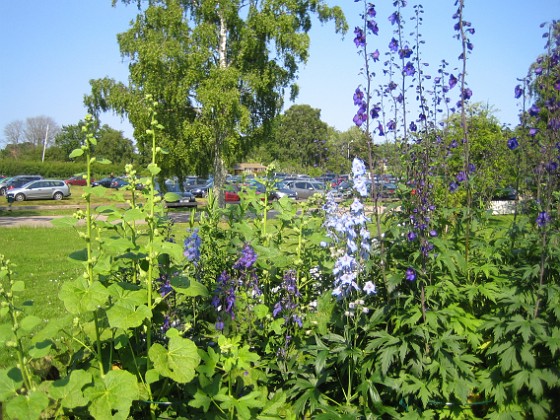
x,y
60,170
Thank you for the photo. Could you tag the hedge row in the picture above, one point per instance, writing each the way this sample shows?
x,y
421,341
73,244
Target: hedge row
x,y
61,170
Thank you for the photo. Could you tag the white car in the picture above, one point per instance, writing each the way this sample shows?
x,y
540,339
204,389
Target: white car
x,y
53,189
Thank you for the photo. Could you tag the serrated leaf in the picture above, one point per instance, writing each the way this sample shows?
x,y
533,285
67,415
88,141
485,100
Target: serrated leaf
x,y
178,361
200,400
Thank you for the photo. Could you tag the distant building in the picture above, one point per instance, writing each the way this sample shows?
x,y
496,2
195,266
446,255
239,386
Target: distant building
x,y
248,168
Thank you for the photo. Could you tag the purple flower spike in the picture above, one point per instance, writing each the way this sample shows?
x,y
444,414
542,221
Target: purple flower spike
x,y
394,45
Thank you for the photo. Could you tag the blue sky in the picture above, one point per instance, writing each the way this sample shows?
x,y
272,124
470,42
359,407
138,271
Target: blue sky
x,y
52,48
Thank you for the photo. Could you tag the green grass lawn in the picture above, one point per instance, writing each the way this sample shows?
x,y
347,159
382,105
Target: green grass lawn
x,y
40,259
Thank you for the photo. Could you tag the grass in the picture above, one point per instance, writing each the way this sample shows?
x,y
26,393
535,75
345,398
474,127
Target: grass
x,y
40,260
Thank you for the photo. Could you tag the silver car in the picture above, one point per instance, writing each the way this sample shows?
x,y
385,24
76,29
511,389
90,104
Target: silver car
x,y
42,189
306,188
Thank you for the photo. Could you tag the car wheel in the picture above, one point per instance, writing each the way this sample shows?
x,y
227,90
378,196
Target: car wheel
x,y
58,196
2,191
19,197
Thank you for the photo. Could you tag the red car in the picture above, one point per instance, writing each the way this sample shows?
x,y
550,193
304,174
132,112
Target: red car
x,y
77,180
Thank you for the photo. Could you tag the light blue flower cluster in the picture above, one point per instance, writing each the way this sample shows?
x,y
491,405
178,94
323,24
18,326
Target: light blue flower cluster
x,y
350,236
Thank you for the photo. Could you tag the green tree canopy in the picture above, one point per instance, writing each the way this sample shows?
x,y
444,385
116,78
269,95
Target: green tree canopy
x,y
301,137
219,71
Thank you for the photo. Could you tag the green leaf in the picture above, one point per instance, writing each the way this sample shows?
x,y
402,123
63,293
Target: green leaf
x,y
18,286
40,349
120,316
189,287
103,161
178,361
10,383
6,333
76,153
30,322
80,297
171,197
28,406
69,390
112,396
154,169
200,400
134,214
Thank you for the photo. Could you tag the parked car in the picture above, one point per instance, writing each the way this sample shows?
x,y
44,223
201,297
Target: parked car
x,y
280,190
54,189
104,182
201,190
16,182
306,188
179,198
78,180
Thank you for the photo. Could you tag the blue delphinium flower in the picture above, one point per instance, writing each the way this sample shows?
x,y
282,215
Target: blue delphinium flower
x,y
534,110
393,45
360,38
247,259
287,305
461,176
542,219
192,247
518,92
369,288
453,186
409,69
410,274
165,287
512,143
452,81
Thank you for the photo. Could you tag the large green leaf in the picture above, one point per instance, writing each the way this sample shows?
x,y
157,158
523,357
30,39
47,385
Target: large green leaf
x,y
69,390
122,316
28,406
10,382
79,296
178,361
112,395
188,287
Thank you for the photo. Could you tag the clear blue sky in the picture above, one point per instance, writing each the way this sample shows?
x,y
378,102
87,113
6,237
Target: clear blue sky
x,y
52,48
